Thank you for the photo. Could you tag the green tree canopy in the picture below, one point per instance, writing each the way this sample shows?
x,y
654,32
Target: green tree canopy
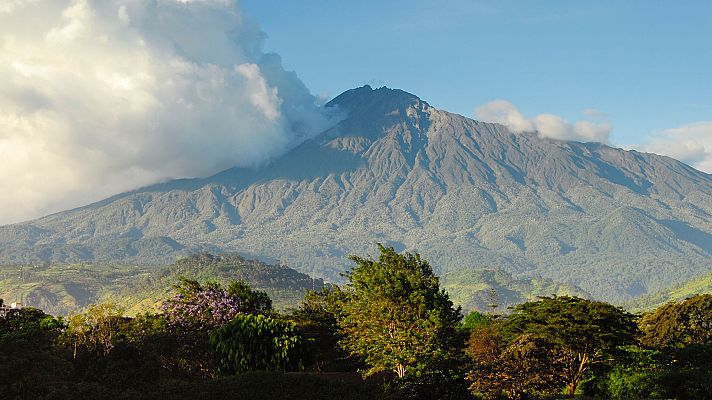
x,y
586,332
396,317
257,342
252,301
679,324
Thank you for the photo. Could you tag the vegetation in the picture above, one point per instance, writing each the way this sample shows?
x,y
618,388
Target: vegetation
x,y
699,285
396,316
63,289
581,333
390,333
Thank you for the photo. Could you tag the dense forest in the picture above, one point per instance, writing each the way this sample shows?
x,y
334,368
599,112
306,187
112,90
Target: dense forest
x,y
390,332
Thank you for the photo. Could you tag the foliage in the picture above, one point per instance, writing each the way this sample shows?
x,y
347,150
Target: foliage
x,y
396,316
251,301
28,355
584,332
95,330
535,352
438,384
317,320
485,343
201,308
65,289
474,319
689,373
635,376
257,343
678,324
528,367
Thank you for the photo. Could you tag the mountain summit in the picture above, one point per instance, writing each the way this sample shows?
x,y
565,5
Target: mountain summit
x,y
466,194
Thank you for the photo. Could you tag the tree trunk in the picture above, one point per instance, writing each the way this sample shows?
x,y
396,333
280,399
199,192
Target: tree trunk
x,y
400,370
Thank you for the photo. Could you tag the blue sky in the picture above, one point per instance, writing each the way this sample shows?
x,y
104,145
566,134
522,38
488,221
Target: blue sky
x,y
646,64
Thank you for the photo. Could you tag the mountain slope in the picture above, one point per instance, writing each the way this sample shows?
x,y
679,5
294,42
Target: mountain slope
x,y
466,194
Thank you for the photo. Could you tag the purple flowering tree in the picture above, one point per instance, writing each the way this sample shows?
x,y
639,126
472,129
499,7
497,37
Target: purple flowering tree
x,y
197,310
201,308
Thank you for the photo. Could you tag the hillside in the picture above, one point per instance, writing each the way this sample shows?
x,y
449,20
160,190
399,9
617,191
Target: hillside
x,y
62,289
479,289
699,285
466,194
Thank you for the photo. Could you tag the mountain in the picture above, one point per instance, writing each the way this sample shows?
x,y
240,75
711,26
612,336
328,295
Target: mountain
x,y
465,194
62,289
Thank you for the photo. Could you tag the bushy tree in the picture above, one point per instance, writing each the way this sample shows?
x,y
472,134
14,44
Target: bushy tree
x,y
682,332
200,307
317,319
251,301
257,343
96,329
485,343
527,367
679,324
396,317
584,332
636,375
30,365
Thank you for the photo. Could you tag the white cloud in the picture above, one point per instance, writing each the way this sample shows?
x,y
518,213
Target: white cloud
x,y
691,143
505,113
547,125
101,96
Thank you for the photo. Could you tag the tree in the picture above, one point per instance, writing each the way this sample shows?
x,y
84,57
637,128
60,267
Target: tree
x,y
526,367
396,317
252,301
205,307
636,375
95,329
317,319
682,332
257,343
679,324
474,319
585,332
30,365
485,343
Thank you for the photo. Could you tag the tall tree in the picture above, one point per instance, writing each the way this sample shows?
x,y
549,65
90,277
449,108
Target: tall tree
x,y
397,318
585,332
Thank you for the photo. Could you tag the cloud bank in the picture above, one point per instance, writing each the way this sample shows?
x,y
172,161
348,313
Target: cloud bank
x,y
546,125
102,96
691,143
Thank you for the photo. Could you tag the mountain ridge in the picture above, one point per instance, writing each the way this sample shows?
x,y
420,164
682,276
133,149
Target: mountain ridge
x,y
465,193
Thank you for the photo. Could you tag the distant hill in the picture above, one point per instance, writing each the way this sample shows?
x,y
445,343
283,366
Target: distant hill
x,y
466,194
699,285
62,289
479,289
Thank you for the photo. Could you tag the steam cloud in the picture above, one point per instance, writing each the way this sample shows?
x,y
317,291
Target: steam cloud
x,y
547,125
690,143
102,96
